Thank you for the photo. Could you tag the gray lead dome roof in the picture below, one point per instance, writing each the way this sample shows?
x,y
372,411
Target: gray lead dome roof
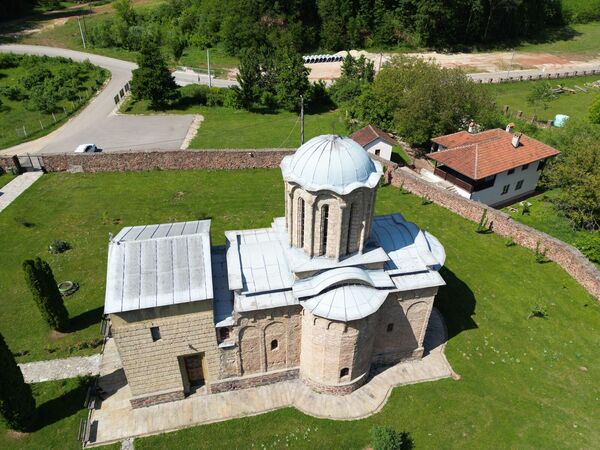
x,y
331,162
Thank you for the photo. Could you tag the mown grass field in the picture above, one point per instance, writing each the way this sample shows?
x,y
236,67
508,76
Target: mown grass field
x,y
525,383
5,179
574,105
579,40
20,123
232,128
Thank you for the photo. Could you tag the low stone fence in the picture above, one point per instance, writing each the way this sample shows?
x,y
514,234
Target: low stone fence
x,y
565,255
156,160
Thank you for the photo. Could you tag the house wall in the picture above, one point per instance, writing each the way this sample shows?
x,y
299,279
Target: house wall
x,y
153,369
384,147
493,195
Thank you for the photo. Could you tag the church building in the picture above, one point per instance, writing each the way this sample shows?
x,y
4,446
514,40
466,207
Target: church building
x,y
325,294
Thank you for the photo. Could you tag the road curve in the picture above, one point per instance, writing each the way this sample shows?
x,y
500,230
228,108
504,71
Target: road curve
x,y
98,122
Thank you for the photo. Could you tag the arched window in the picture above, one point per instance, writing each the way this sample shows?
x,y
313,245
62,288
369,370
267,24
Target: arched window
x,y
390,327
349,231
324,228
344,372
274,344
223,333
301,222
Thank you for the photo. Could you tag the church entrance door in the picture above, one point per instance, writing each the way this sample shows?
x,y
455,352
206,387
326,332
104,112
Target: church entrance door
x,y
193,367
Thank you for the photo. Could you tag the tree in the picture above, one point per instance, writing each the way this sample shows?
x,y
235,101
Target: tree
x,y
17,405
125,11
152,80
421,100
356,74
386,438
291,79
594,111
177,43
576,173
541,94
43,287
248,78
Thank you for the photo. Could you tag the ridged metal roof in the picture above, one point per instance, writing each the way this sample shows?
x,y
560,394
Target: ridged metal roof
x,y
333,163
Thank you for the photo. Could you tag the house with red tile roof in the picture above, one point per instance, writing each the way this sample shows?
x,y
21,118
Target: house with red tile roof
x,y
375,141
494,167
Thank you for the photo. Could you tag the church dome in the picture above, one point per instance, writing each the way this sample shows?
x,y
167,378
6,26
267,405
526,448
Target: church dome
x,y
333,163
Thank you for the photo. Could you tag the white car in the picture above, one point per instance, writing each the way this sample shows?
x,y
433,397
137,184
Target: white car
x,y
87,148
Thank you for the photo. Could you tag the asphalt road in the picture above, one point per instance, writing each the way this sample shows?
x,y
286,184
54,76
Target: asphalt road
x,y
98,123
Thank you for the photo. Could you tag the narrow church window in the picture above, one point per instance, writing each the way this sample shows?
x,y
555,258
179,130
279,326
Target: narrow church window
x,y
301,221
390,327
224,333
344,372
324,226
274,344
155,332
349,229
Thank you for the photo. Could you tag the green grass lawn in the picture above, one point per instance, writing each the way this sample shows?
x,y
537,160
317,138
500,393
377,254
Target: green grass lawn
x,y
574,105
525,383
5,179
231,128
580,40
19,123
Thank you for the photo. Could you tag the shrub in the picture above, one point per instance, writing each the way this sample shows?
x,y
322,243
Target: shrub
x,y
215,97
386,438
195,94
510,242
36,76
594,111
540,254
9,60
482,226
12,93
589,245
538,311
58,246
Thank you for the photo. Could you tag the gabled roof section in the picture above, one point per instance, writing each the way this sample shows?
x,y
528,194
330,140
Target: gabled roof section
x,y
368,134
158,265
488,153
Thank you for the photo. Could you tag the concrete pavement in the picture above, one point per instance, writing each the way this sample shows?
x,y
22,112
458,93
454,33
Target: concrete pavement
x,y
114,420
60,369
10,191
98,123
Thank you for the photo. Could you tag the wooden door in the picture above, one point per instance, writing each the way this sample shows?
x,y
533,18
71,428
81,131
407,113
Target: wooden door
x,y
193,367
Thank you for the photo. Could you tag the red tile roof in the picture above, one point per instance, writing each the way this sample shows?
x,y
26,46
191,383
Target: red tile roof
x,y
369,133
488,153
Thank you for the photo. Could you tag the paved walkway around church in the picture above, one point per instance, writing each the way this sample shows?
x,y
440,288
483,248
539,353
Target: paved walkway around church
x,y
16,187
115,420
59,369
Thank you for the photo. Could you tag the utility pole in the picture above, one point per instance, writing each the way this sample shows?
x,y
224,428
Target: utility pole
x,y
380,58
301,120
208,61
81,31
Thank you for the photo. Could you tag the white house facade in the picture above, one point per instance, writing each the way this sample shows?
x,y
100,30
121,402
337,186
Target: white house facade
x,y
375,141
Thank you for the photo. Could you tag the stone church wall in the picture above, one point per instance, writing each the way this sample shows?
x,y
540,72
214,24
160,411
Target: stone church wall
x,y
153,368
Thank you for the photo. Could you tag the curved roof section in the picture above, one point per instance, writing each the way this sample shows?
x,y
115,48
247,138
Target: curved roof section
x,y
309,287
333,163
346,303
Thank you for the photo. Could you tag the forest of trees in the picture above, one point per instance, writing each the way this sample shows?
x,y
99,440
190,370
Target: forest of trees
x,y
310,25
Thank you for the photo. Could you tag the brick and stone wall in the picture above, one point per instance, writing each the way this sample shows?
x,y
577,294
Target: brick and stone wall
x,y
565,255
154,367
153,160
233,384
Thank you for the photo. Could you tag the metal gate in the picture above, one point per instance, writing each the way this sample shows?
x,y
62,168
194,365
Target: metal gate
x,y
30,163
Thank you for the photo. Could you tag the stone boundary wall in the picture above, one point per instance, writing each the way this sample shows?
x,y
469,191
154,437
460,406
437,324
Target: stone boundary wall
x,y
565,255
233,384
157,160
155,399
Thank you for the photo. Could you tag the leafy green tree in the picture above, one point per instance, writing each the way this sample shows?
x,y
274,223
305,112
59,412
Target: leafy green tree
x,y
386,438
576,173
36,76
177,44
125,11
152,80
43,287
356,74
43,97
249,78
291,79
17,405
421,100
594,111
541,94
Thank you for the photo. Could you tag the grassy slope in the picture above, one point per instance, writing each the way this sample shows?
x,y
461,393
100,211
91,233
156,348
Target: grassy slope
x,y
574,105
526,383
5,179
230,128
15,114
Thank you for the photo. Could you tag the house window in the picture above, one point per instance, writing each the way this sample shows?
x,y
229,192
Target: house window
x,y
301,222
505,189
390,327
525,167
224,333
274,344
377,152
511,171
155,332
344,372
324,227
519,185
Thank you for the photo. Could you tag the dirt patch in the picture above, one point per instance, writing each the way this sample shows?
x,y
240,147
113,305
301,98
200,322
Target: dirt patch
x,y
16,435
56,335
